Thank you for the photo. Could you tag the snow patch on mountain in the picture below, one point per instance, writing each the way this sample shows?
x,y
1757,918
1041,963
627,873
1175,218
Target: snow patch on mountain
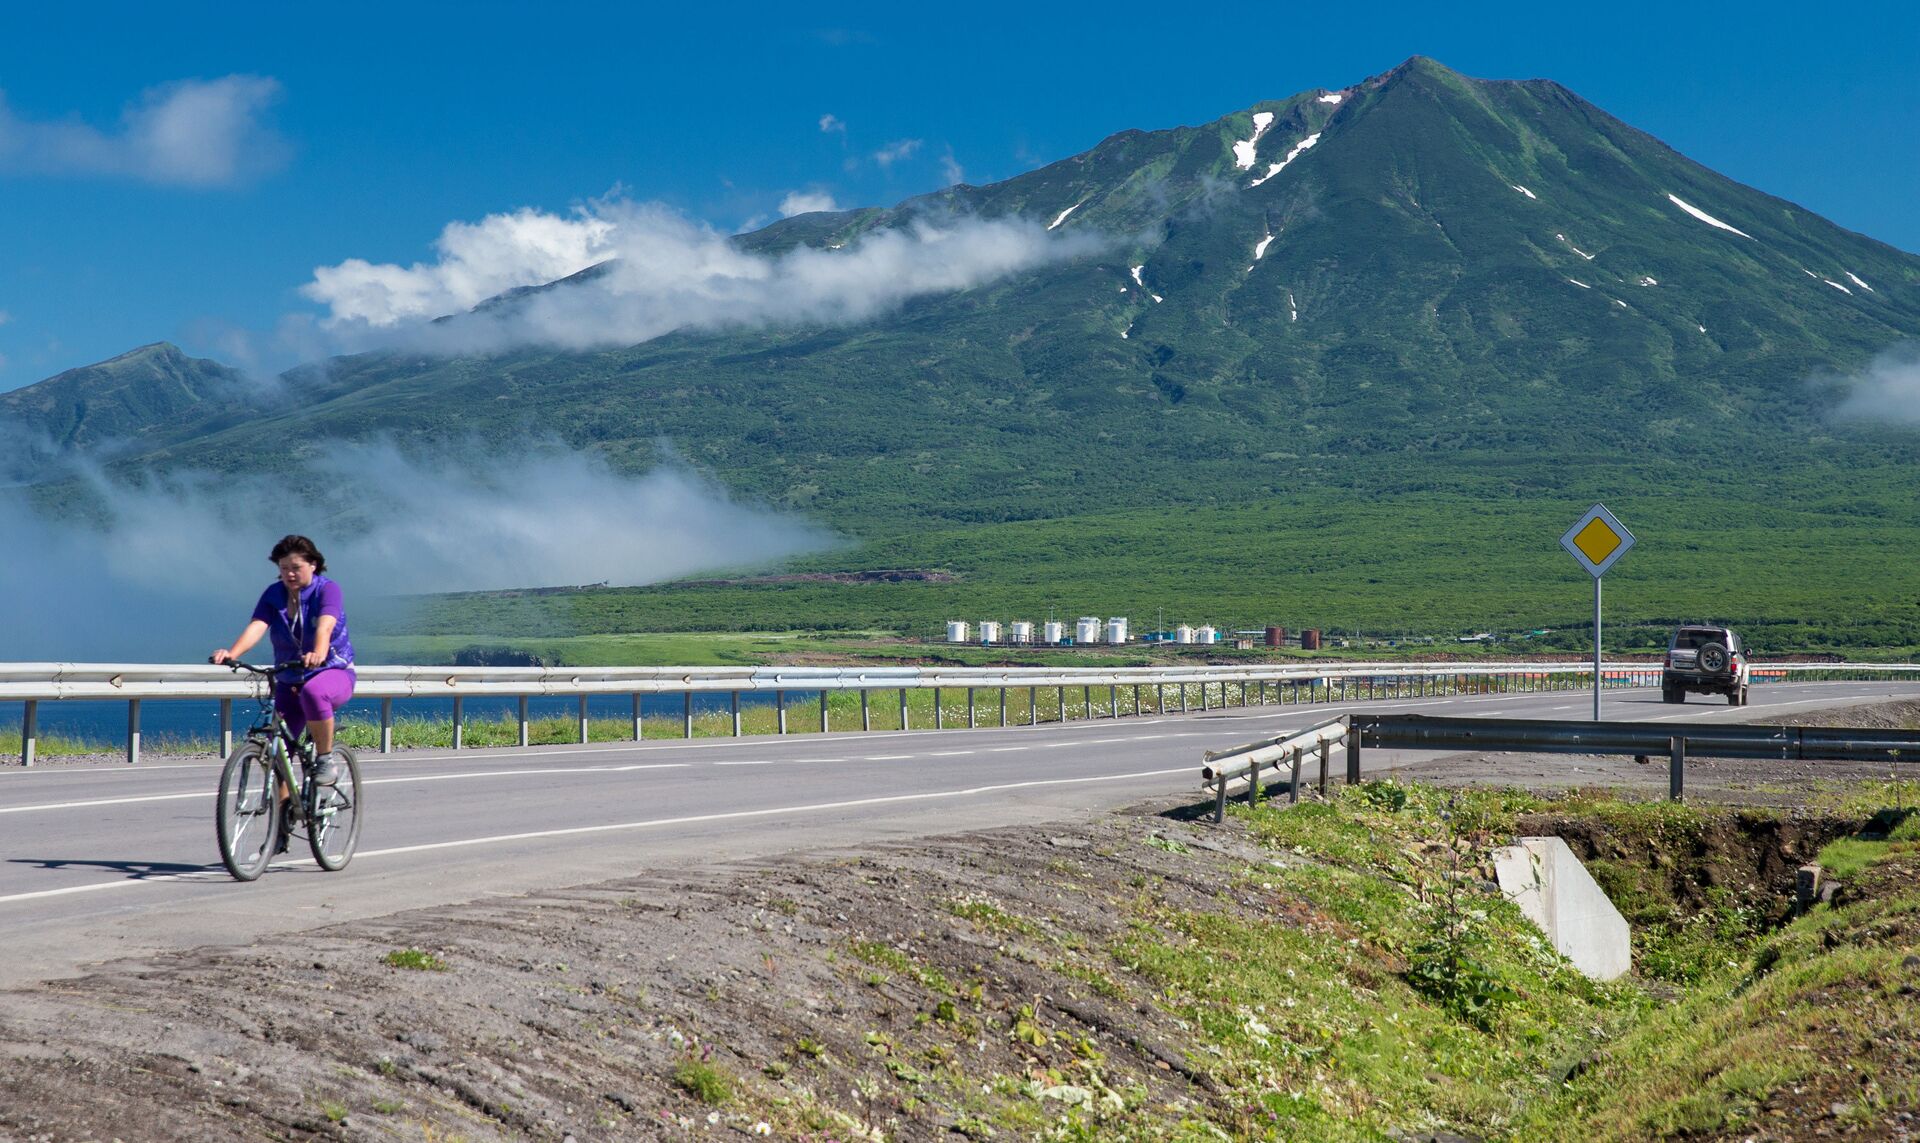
x,y
1525,191
1580,283
1293,311
1645,281
1260,249
1574,248
1243,151
1861,284
1837,286
1333,97
1135,270
1065,213
1282,164
1704,216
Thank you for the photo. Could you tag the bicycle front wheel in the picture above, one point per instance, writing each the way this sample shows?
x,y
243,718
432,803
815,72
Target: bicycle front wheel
x,y
333,825
247,817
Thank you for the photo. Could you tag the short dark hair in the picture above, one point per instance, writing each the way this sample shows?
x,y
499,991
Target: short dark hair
x,y
298,546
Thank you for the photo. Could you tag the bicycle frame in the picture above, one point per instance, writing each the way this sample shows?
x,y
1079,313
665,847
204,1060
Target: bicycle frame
x,y
270,730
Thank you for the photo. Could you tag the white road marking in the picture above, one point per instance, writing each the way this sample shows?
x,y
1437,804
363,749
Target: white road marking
x,y
652,823
365,782
950,753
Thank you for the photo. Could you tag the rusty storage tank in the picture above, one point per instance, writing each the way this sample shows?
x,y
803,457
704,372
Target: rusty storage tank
x,y
1276,636
1310,639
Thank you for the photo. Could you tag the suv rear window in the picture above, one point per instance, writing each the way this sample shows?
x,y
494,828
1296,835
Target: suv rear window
x,y
1688,638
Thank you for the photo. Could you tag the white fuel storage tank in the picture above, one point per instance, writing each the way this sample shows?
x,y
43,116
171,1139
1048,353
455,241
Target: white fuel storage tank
x,y
956,631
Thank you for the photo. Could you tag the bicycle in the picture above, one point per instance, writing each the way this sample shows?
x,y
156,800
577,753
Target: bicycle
x,y
251,818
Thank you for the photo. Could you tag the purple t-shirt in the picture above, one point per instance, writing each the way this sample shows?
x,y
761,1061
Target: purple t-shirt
x,y
293,636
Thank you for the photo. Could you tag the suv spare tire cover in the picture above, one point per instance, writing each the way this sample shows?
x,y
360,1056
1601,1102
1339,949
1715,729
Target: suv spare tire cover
x,y
1712,658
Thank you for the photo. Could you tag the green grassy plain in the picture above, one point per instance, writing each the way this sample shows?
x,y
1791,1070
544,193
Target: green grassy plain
x,y
1798,566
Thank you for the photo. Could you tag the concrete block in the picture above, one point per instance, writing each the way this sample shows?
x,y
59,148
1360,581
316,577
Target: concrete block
x,y
1555,891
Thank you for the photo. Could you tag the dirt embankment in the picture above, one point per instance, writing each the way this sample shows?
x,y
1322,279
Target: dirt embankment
x,y
608,1012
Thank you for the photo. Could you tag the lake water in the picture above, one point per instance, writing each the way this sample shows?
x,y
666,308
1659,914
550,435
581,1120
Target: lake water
x,y
105,721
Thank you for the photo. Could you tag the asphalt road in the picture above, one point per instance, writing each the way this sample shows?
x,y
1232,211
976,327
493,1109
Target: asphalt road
x,y
106,861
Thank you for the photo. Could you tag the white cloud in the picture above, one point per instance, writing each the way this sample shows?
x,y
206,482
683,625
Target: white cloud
x,y
664,271
893,152
5,317
951,170
830,124
188,550
189,133
1887,391
476,261
806,202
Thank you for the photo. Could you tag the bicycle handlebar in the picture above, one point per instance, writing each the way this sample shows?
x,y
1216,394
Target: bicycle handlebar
x,y
237,665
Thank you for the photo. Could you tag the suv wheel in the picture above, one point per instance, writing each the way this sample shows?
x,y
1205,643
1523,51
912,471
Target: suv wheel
x,y
1712,657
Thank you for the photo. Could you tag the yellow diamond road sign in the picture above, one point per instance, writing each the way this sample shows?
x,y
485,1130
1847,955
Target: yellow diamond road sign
x,y
1597,540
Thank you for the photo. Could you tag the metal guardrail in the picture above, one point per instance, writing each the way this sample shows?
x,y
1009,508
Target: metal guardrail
x,y
1235,764
1221,685
1226,769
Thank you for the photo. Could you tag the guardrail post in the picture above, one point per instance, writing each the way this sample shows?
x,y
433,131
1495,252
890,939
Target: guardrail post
x,y
458,723
903,709
639,719
386,726
30,733
1326,752
522,708
1293,789
969,708
581,717
1136,700
1060,697
133,730
1183,697
226,726
1253,785
1676,769
1353,755
779,707
1003,706
1113,700
866,713
1220,799
1033,706
823,712
1159,698
733,706
939,719
686,715
1086,703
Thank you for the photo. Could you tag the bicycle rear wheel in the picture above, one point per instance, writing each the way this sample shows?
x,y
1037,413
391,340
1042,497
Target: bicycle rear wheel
x,y
246,818
333,825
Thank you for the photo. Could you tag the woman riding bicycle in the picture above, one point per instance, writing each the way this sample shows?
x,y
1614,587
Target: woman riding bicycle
x,y
303,614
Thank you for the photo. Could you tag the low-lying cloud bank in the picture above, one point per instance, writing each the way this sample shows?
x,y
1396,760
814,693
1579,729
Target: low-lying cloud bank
x,y
1887,391
659,271
172,566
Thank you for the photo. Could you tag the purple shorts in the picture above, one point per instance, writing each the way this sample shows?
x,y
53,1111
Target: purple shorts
x,y
314,700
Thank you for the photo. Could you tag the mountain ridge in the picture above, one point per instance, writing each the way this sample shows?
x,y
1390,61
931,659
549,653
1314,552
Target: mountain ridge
x,y
1454,278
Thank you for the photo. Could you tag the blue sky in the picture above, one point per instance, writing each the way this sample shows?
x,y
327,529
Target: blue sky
x,y
179,173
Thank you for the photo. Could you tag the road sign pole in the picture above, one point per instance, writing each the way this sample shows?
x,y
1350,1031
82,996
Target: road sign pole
x,y
1596,648
1596,540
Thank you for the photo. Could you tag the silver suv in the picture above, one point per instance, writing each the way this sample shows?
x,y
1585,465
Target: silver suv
x,y
1708,659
